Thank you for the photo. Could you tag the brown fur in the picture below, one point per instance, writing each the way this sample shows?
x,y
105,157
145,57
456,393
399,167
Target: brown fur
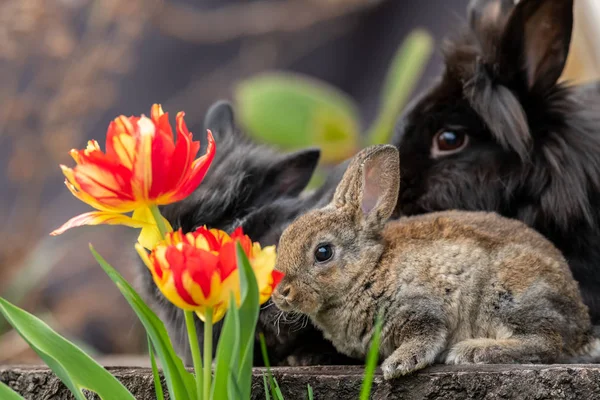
x,y
457,287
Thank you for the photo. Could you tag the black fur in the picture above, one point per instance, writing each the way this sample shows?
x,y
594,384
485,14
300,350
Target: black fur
x,y
534,144
259,189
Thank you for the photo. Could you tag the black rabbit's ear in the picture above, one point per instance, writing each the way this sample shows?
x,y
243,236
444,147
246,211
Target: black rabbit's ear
x,y
536,41
220,119
289,175
483,14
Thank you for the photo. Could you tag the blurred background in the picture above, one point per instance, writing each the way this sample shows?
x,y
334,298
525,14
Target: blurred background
x,y
68,67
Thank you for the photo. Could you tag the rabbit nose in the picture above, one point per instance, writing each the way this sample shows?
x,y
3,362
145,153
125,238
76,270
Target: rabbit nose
x,y
285,292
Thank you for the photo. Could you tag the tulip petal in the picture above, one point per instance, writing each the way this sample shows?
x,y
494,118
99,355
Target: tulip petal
x,y
205,239
163,148
219,312
97,218
120,146
221,237
203,267
149,237
199,266
92,147
263,262
159,275
156,112
108,183
75,189
198,171
172,292
228,260
231,285
277,277
184,154
123,125
267,290
121,139
150,234
213,299
141,181
171,263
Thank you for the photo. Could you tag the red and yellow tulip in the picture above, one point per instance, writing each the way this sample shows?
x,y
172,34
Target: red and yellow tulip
x,y
143,166
198,270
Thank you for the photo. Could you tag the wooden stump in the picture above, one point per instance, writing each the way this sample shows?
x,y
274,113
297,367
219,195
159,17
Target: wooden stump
x,y
568,382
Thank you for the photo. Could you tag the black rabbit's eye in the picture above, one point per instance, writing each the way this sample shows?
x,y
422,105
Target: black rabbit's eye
x,y
323,252
448,142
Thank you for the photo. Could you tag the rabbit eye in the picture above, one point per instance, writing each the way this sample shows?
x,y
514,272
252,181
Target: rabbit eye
x,y
448,142
323,252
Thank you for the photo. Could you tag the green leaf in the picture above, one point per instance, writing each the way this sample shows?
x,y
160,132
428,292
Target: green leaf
x,y
227,348
76,369
155,375
403,74
180,382
248,316
235,362
293,111
275,390
372,358
310,392
7,393
266,385
234,387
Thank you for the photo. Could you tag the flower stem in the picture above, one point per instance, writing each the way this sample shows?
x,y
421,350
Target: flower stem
x,y
208,324
195,349
160,222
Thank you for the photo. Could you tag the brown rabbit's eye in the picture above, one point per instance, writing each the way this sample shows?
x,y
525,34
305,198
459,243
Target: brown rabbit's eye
x,y
323,252
448,142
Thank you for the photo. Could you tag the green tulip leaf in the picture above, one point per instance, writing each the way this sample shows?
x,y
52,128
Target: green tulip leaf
x,y
155,374
248,317
292,111
76,369
266,386
372,358
180,382
7,393
403,74
227,353
275,389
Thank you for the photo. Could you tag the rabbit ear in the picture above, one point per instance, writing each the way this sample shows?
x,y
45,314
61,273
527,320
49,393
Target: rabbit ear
x,y
482,14
370,186
220,119
291,173
535,43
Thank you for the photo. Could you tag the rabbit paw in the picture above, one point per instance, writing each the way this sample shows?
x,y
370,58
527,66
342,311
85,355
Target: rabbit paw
x,y
480,351
399,364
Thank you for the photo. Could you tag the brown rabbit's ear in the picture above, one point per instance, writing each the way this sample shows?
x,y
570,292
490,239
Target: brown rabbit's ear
x,y
536,41
370,186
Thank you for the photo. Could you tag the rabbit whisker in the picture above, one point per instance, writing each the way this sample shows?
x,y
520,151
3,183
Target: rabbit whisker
x,y
267,306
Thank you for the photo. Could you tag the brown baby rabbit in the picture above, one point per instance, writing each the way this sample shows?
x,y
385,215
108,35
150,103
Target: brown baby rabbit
x,y
454,287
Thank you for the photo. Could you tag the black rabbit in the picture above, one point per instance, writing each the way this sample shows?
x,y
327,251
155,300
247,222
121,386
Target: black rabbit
x,y
497,132
259,189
